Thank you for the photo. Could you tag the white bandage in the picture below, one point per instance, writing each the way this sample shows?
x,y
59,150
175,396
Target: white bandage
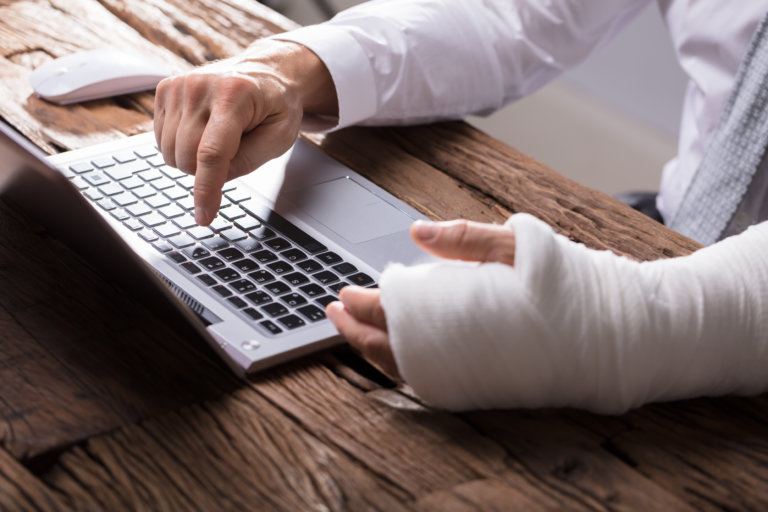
x,y
571,326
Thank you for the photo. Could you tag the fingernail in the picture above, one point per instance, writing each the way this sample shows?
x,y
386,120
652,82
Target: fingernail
x,y
201,216
424,230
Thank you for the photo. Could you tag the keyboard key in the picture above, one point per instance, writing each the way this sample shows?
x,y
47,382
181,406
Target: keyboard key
x,y
237,302
132,183
215,243
336,287
232,213
124,157
120,214
278,244
144,192
242,286
212,263
248,244
148,235
293,255
222,290
93,194
111,189
324,301
188,202
258,297
139,209
312,290
176,193
312,313
196,252
133,224
295,278
146,151
182,240
231,254
246,265
262,233
326,277
200,232
152,219
264,256
220,224
80,183
103,162
158,201
185,222
253,314
191,267
125,199
361,279
345,268
162,246
166,230
234,234
274,309
270,327
329,258
246,223
261,276
172,172
106,204
163,183
207,280
81,167
150,174
280,267
186,181
309,266
227,274
293,300
277,288
237,195
292,321
156,160
171,211
95,178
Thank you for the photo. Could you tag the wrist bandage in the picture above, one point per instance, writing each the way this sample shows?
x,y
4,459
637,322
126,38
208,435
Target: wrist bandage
x,y
571,326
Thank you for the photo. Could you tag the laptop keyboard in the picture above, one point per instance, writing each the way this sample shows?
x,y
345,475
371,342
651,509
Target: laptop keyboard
x,y
274,274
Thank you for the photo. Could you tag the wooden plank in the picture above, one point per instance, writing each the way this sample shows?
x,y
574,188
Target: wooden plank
x,y
301,438
20,491
235,453
77,356
711,453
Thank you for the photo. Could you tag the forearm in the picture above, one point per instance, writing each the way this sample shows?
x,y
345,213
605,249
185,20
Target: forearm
x,y
568,326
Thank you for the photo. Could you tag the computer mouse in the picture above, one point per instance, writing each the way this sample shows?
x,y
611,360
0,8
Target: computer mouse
x,y
94,74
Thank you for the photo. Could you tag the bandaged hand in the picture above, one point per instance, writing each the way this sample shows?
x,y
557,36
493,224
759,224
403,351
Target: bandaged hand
x,y
571,326
359,316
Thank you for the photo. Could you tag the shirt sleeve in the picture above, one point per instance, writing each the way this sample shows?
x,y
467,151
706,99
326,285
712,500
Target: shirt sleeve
x,y
412,61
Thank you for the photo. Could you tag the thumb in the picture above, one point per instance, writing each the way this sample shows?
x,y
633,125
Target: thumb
x,y
466,240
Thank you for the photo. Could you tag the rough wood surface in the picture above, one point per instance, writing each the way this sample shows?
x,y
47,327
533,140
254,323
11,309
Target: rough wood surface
x,y
105,407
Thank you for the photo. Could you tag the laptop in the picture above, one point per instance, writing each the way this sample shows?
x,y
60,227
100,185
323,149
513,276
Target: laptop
x,y
255,283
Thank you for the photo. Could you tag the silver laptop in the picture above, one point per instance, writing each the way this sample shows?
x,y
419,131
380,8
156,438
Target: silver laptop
x,y
256,282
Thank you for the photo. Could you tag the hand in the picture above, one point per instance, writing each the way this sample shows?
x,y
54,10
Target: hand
x,y
359,316
224,120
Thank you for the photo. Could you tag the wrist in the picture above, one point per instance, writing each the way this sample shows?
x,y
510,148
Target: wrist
x,y
301,70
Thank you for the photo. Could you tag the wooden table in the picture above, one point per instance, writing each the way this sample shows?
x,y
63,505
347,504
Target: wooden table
x,y
105,407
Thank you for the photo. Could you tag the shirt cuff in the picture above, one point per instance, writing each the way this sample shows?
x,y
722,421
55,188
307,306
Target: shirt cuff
x,y
348,65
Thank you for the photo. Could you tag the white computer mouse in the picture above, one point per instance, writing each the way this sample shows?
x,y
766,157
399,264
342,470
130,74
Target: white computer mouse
x,y
93,74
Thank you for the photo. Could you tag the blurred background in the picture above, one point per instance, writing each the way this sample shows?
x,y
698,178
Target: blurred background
x,y
611,123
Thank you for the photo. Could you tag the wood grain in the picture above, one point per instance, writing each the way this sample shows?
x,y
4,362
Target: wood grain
x,y
21,491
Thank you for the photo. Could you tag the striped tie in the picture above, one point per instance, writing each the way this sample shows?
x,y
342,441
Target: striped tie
x,y
728,192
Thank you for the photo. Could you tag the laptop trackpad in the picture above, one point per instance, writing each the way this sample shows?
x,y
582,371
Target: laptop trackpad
x,y
350,210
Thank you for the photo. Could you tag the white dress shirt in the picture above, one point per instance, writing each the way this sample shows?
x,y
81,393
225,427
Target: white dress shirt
x,y
414,61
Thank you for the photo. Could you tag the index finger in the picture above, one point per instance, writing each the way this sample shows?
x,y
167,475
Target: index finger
x,y
218,146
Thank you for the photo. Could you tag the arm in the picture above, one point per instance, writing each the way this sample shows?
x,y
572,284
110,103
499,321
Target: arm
x,y
411,61
570,326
